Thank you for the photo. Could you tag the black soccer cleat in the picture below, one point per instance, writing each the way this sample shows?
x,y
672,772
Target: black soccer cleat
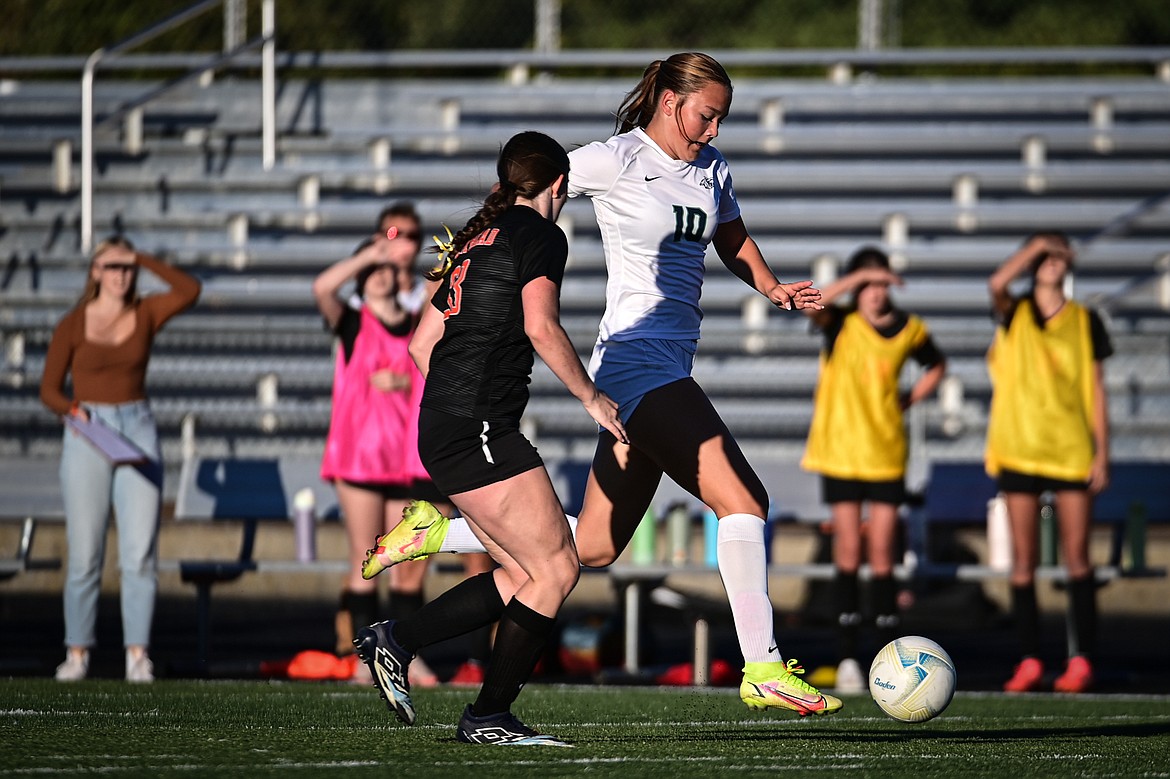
x,y
388,664
502,729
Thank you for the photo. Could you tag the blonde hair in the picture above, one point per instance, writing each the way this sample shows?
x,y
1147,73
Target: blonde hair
x,y
684,74
92,286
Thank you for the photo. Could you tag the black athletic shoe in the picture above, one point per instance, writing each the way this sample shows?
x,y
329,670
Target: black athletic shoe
x,y
388,664
502,729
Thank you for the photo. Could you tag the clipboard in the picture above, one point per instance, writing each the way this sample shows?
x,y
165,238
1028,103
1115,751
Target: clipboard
x,y
114,446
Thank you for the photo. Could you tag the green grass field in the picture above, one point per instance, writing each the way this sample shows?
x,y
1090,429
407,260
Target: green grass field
x,y
188,728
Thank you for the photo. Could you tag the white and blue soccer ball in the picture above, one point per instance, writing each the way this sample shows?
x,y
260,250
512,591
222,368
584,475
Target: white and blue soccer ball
x,y
912,679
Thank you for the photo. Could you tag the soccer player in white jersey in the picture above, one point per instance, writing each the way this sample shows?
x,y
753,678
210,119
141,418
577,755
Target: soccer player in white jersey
x,y
662,193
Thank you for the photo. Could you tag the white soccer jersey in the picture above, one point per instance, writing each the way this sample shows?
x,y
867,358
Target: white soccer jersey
x,y
657,215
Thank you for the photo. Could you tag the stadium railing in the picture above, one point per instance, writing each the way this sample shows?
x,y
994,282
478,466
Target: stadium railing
x,y
526,61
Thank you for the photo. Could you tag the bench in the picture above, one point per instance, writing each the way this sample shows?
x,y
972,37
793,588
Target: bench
x,y
30,493
246,491
957,493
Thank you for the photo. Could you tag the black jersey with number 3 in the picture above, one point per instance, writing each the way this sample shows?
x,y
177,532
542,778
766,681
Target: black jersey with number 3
x,y
481,366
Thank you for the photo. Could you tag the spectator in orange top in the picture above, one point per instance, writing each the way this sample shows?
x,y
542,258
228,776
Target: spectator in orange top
x,y
104,343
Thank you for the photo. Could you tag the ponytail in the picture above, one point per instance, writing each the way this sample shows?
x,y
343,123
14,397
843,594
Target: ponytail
x,y
684,74
637,108
528,164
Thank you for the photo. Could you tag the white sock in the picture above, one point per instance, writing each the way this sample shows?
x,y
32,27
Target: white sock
x,y
461,540
744,570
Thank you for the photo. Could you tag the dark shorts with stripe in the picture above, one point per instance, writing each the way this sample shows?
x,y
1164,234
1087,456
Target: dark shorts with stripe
x,y
1015,481
463,454
419,489
835,490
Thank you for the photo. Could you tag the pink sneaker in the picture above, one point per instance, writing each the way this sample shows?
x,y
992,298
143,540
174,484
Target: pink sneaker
x,y
1027,678
1077,677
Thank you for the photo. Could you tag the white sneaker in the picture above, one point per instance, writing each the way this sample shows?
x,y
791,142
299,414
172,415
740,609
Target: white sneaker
x,y
74,669
850,680
139,669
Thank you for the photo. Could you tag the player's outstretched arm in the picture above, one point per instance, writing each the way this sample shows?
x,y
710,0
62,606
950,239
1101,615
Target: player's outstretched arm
x,y
742,256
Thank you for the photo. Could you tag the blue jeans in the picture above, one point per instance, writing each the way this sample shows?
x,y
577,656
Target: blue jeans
x,y
89,484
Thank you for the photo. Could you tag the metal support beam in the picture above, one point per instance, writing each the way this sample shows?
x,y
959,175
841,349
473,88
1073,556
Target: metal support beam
x,y
268,83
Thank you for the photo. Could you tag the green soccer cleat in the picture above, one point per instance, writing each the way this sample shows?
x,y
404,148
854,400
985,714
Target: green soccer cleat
x,y
776,686
418,536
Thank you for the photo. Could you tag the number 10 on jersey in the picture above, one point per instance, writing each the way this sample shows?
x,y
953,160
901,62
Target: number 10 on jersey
x,y
689,223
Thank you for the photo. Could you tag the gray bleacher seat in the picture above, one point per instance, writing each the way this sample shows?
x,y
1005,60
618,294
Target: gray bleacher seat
x,y
818,166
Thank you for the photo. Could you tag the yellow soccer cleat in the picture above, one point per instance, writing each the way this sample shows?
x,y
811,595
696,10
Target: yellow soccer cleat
x,y
419,535
777,686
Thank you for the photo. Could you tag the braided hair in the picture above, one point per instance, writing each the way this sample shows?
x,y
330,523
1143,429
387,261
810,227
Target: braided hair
x,y
528,164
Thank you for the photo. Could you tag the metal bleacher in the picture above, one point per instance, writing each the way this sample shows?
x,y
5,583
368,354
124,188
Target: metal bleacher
x,y
948,173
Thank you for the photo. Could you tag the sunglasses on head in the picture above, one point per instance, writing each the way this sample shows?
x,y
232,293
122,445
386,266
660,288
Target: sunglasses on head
x,y
119,267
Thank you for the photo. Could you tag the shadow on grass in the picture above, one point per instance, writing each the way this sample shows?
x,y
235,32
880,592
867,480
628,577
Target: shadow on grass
x,y
968,736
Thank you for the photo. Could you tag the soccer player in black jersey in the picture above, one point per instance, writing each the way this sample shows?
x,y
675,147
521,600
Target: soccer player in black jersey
x,y
498,304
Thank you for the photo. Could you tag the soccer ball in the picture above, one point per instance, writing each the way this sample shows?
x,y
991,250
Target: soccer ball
x,y
912,679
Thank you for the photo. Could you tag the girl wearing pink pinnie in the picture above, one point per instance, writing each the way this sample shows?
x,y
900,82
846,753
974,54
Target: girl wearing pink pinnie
x,y
371,453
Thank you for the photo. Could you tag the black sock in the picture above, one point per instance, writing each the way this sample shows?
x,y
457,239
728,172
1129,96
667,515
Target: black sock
x,y
885,608
520,639
362,608
848,601
470,604
481,645
404,605
1027,617
1082,596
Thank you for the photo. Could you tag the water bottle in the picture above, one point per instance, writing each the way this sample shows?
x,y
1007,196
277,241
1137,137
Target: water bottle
x,y
678,529
999,534
644,544
710,539
305,525
1135,534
